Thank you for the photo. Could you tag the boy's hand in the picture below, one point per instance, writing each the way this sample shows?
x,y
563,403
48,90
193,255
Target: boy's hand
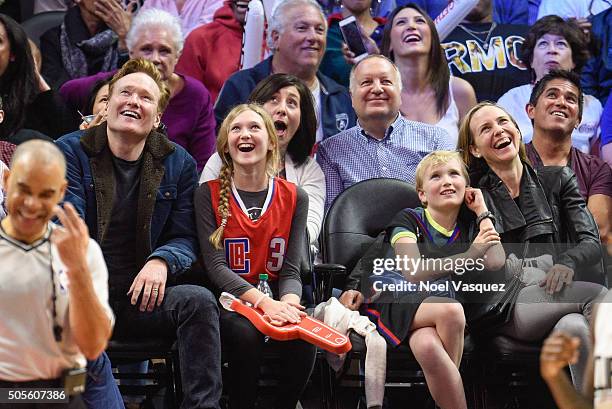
x,y
486,238
351,299
474,200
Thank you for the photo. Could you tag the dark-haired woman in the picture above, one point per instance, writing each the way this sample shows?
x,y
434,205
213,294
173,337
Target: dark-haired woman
x,y
554,43
251,222
290,104
28,102
96,106
429,93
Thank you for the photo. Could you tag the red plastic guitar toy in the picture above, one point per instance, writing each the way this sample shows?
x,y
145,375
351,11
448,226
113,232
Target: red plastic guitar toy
x,y
309,329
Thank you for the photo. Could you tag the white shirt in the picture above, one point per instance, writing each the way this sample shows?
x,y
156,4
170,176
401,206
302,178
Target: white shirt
x,y
450,120
28,350
572,8
515,100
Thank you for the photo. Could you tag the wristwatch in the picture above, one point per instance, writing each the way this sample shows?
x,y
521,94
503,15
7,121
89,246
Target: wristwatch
x,y
485,215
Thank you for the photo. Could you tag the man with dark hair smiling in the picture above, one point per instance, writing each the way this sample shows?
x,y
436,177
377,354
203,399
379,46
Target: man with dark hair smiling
x,y
135,189
555,108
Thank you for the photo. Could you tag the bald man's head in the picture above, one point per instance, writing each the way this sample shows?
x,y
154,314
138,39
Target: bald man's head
x,y
41,152
35,184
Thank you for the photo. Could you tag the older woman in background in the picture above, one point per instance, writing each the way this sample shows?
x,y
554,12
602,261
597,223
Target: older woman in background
x,y
156,35
90,39
554,43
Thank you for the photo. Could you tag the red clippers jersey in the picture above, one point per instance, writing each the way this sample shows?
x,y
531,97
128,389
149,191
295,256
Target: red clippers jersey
x,y
255,247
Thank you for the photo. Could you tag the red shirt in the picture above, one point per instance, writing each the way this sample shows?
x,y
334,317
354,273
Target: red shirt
x,y
257,246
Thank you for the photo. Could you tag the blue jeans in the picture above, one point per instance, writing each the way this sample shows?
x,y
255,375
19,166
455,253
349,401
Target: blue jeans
x,y
190,314
101,391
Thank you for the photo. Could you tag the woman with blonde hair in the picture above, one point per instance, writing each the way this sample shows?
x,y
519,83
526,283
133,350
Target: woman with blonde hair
x,y
546,210
250,223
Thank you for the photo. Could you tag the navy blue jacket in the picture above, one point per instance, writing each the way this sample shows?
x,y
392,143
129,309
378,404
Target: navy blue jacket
x,y
336,107
596,76
165,218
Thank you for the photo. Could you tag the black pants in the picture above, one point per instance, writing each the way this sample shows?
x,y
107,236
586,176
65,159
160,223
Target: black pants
x,y
243,347
75,402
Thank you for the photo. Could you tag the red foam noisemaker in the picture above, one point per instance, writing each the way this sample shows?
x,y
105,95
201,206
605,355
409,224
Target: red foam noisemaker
x,y
308,329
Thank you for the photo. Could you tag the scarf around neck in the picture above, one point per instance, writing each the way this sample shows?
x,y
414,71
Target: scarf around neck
x,y
75,53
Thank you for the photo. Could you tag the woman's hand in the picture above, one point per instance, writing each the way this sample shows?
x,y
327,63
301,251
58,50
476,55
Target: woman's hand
x,y
98,119
585,25
556,277
558,351
369,44
280,313
474,200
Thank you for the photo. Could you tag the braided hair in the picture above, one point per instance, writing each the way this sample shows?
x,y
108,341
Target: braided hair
x,y
227,169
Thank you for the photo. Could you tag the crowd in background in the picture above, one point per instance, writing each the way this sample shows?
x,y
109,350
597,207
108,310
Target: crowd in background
x,y
171,146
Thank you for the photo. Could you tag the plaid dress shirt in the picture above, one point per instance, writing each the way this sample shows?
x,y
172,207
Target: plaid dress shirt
x,y
352,155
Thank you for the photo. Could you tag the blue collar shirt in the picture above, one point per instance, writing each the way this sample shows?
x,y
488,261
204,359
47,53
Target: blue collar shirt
x,y
352,155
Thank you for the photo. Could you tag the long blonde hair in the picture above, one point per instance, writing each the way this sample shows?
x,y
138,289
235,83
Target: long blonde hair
x,y
227,169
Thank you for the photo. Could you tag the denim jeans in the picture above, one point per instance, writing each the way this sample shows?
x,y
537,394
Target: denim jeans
x,y
190,313
101,391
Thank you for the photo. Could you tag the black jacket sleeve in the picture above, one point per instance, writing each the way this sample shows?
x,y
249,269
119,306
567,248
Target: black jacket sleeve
x,y
576,224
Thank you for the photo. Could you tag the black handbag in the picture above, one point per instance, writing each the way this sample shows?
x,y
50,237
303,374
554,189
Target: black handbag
x,y
485,317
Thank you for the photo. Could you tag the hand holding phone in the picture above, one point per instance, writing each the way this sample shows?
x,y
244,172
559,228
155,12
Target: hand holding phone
x,y
353,38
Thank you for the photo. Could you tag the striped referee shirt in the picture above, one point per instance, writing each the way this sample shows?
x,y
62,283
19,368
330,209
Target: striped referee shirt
x,y
352,155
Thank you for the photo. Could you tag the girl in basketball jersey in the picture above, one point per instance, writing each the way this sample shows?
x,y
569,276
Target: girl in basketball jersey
x,y
250,222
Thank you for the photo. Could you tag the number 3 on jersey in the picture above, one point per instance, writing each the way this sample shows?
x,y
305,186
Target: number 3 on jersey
x,y
239,257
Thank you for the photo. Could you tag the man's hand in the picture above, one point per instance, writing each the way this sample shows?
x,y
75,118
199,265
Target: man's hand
x,y
558,351
556,277
351,299
115,17
151,282
72,240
